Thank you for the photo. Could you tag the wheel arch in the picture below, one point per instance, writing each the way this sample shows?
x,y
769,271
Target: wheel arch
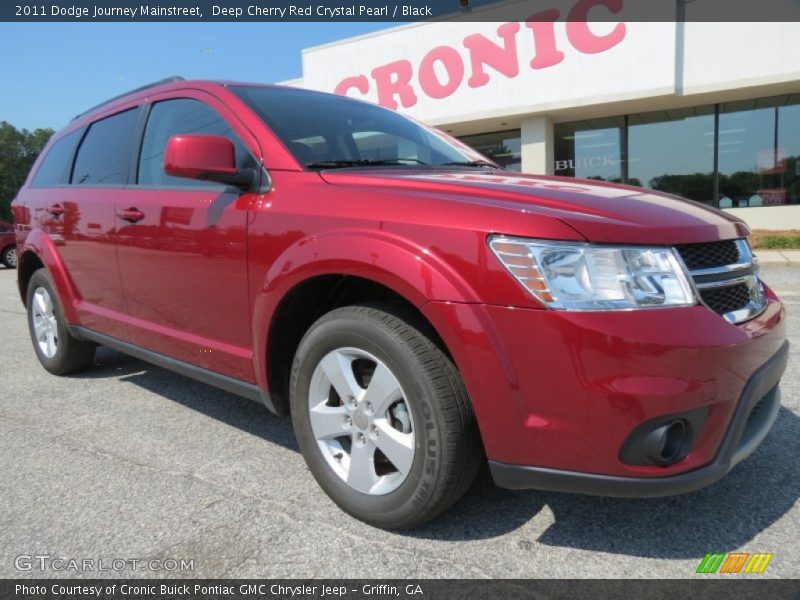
x,y
39,251
300,287
314,297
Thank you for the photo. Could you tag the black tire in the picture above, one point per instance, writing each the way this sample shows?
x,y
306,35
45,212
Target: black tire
x,y
448,451
71,354
9,256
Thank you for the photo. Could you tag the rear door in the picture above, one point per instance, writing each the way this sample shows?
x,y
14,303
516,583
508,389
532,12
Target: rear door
x,y
182,250
80,218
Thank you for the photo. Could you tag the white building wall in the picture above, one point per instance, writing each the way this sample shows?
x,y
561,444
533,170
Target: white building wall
x,y
736,56
537,145
641,64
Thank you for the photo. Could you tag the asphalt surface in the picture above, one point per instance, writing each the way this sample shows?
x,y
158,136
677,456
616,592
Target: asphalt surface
x,y
131,461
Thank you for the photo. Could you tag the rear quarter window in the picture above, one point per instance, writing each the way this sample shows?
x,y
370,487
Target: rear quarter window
x,y
54,169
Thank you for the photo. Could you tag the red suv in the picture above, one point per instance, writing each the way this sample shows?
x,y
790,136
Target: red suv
x,y
416,309
8,245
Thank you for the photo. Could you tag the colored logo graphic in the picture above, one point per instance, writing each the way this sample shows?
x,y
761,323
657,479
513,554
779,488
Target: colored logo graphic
x,y
735,562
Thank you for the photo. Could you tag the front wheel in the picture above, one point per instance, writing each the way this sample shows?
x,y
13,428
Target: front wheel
x,y
9,256
382,417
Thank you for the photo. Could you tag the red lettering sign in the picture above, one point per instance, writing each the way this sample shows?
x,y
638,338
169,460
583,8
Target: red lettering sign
x,y
442,70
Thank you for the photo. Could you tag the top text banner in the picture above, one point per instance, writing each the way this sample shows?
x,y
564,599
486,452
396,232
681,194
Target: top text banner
x,y
397,11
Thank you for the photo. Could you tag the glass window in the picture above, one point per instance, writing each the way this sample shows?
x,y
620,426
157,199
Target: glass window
x,y
503,147
319,127
751,166
54,169
590,149
103,154
175,117
673,151
789,148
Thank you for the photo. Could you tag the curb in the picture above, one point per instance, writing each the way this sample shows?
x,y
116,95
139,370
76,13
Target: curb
x,y
778,257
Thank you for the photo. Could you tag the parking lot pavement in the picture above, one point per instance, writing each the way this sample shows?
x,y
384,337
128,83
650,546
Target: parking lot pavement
x,y
132,461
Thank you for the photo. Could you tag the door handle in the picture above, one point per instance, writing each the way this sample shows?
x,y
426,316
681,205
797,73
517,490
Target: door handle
x,y
56,210
132,215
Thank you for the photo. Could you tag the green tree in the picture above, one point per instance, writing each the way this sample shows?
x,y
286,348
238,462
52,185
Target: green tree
x,y
18,151
695,186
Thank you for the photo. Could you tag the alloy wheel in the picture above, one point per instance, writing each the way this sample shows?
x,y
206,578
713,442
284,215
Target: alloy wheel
x,y
45,325
361,421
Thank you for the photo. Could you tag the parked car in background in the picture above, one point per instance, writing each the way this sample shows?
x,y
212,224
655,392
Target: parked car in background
x,y
414,307
8,245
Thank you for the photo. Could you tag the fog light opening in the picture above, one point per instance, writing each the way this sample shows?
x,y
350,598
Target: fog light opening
x,y
667,444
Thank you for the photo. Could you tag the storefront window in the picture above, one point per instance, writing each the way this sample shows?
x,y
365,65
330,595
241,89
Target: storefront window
x,y
757,145
673,151
789,146
503,147
590,149
758,152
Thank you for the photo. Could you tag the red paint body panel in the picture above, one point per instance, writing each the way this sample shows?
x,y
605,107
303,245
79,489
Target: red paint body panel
x,y
564,390
198,277
192,155
84,237
7,238
184,270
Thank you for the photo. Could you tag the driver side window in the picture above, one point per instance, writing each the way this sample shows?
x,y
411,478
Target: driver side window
x,y
175,117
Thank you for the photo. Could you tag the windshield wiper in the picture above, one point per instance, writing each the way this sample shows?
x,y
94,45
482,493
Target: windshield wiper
x,y
364,162
469,163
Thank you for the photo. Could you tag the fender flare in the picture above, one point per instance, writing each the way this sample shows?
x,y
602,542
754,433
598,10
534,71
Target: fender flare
x,y
413,272
37,242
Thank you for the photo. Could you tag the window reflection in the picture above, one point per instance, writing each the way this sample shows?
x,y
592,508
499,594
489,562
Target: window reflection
x,y
673,151
590,149
503,147
755,168
757,145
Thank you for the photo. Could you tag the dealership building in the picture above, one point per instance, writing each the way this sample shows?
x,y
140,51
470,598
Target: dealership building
x,y
709,111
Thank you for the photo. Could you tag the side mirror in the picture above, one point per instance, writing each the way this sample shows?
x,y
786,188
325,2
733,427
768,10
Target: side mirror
x,y
205,157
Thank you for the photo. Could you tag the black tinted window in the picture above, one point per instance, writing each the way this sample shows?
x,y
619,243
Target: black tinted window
x,y
319,127
54,168
103,155
175,117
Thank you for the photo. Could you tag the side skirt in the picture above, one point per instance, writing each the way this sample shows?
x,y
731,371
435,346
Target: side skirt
x,y
218,380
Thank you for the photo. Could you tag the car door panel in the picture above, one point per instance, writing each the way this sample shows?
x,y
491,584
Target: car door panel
x,y
183,254
80,220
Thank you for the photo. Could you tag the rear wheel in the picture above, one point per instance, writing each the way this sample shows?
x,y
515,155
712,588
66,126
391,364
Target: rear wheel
x,y
9,256
382,417
57,350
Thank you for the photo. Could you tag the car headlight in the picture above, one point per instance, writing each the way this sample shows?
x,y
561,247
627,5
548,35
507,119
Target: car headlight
x,y
575,276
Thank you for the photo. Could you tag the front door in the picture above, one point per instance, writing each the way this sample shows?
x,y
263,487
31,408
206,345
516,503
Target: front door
x,y
182,249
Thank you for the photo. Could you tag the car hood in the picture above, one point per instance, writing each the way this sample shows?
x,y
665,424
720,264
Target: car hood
x,y
601,212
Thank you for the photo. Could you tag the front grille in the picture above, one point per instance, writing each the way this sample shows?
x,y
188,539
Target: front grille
x,y
727,299
709,255
726,277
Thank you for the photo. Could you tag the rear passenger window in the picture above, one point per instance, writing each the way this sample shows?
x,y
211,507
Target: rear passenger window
x,y
175,117
104,153
54,169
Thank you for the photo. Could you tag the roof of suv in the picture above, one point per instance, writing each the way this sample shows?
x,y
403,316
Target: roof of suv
x,y
174,82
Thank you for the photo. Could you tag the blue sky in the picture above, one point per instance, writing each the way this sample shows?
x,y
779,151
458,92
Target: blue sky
x,y
53,71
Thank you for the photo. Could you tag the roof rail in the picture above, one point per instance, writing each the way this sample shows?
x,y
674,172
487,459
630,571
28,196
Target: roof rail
x,y
172,79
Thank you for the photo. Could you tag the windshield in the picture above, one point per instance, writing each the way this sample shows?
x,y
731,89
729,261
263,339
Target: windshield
x,y
327,131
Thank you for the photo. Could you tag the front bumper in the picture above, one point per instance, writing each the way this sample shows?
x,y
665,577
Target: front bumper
x,y
747,430
557,394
